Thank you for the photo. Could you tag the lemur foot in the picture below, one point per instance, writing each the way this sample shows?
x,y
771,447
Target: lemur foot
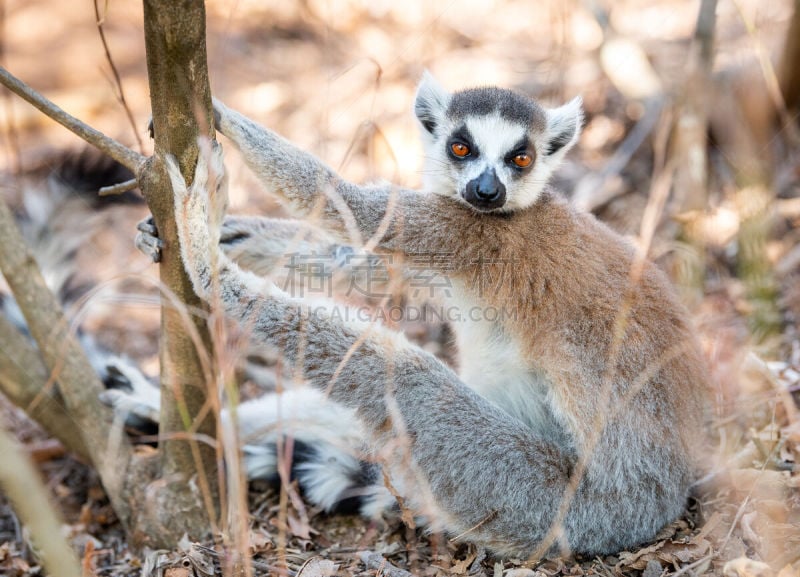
x,y
147,240
134,398
207,195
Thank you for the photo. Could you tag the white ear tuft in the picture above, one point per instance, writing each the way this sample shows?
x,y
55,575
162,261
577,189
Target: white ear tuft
x,y
564,126
431,102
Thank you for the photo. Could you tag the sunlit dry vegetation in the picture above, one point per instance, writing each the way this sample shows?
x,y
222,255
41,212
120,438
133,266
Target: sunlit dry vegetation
x,y
691,147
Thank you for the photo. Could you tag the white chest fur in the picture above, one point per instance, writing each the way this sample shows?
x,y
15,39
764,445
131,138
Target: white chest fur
x,y
492,364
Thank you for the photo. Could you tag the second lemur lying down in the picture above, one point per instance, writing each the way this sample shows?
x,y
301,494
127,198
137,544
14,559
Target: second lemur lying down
x,y
574,420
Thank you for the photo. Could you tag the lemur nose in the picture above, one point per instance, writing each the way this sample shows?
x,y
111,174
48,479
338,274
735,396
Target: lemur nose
x,y
486,192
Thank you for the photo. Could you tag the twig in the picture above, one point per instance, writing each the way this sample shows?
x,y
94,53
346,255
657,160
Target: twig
x,y
377,562
120,188
115,72
119,152
14,156
690,566
27,493
23,378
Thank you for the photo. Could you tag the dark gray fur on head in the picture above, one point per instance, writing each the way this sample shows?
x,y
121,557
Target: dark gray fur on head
x,y
486,100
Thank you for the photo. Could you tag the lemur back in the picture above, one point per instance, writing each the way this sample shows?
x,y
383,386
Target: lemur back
x,y
575,418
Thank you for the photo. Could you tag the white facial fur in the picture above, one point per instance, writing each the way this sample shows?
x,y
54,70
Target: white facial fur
x,y
494,135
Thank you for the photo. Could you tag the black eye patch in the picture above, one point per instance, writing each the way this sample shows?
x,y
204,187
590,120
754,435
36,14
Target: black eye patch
x,y
463,136
523,146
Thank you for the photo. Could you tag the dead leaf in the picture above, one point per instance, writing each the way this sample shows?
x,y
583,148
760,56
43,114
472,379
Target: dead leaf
x,y
789,571
748,532
520,572
765,482
462,566
653,569
298,527
318,567
744,567
259,542
671,553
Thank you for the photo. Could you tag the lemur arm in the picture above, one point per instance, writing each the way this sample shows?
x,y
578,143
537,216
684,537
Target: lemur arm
x,y
392,218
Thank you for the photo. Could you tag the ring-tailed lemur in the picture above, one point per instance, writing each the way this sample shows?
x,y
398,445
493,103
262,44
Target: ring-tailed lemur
x,y
575,417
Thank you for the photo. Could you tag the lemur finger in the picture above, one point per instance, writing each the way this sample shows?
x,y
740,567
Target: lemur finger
x,y
147,241
148,226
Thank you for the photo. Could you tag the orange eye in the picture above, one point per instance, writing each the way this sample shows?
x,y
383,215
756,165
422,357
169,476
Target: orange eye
x,y
459,149
522,160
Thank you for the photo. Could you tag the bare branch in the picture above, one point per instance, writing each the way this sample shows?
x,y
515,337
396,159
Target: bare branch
x,y
115,72
120,188
376,562
119,152
24,379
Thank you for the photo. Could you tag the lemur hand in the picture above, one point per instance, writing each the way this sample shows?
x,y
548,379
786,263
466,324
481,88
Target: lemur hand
x,y
147,240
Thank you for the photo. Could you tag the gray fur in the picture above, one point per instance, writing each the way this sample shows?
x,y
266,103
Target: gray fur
x,y
487,99
558,434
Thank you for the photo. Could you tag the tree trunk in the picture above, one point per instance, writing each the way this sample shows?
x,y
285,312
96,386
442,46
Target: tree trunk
x,y
690,144
181,103
790,63
185,499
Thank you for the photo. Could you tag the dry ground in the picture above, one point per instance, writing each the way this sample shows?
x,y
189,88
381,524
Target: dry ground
x,y
338,78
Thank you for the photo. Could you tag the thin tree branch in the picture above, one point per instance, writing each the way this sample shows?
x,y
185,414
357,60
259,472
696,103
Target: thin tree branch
x,y
120,188
377,562
117,80
66,362
20,481
23,379
119,152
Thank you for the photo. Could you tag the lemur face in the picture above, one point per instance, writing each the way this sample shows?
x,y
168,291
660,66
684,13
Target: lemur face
x,y
492,148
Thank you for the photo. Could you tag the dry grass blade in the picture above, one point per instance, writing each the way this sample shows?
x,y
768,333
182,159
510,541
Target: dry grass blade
x,y
20,481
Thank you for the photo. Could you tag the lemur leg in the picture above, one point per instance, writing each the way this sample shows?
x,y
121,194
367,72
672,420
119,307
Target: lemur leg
x,y
326,446
432,431
323,441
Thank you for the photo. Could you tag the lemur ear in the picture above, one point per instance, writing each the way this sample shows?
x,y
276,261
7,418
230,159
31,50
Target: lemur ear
x,y
431,102
564,126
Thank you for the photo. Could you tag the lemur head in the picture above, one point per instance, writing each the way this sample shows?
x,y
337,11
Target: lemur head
x,y
492,148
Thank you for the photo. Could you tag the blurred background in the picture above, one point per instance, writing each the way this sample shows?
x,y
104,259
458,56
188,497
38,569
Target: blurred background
x,y
690,147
